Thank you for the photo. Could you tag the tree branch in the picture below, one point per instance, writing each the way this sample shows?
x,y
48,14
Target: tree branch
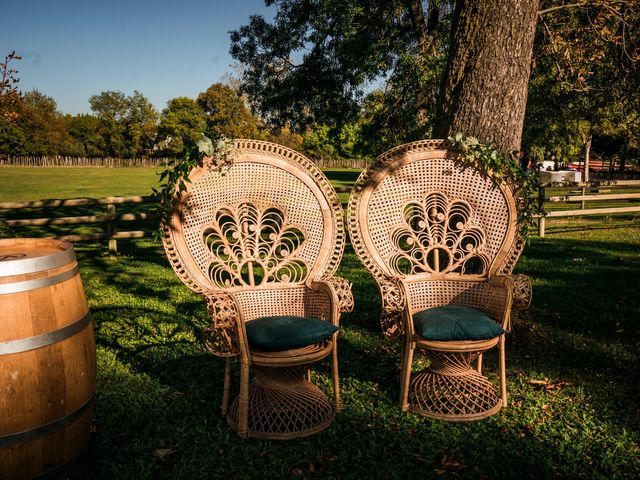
x,y
585,4
424,29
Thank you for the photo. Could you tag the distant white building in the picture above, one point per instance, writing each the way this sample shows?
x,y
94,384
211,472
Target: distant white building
x,y
560,176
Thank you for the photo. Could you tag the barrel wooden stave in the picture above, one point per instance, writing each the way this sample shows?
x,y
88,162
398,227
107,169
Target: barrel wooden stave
x,y
48,390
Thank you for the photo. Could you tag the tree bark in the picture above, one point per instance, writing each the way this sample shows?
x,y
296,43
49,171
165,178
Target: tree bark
x,y
484,92
587,151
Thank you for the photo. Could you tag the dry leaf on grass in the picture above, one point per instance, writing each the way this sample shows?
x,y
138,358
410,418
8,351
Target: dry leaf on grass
x,y
449,464
548,385
161,453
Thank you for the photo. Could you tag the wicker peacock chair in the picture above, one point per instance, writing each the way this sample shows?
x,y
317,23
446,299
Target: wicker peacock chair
x,y
261,240
440,237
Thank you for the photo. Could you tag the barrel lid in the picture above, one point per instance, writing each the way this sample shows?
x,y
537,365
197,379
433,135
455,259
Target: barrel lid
x,y
19,256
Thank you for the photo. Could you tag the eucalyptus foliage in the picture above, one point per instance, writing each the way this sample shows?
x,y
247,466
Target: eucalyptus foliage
x,y
504,166
174,178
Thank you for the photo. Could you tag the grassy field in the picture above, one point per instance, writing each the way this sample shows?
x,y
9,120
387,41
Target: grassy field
x,y
572,364
20,184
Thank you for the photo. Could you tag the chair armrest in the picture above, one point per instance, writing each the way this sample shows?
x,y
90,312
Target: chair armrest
x,y
522,292
340,290
222,337
394,304
502,299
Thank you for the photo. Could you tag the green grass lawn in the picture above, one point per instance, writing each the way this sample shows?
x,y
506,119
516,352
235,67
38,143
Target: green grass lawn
x,y
572,377
19,184
572,366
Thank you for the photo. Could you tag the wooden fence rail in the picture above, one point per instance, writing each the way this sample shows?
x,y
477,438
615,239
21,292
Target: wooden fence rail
x,y
110,219
584,212
61,161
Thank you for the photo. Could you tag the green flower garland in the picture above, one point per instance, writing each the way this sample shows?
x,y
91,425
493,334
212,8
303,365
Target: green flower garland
x,y
505,167
175,175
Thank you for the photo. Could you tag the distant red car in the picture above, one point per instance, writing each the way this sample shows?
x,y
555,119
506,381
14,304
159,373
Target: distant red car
x,y
594,166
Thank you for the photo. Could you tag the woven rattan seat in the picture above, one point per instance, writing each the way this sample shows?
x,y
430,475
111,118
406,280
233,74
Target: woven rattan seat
x,y
262,237
435,230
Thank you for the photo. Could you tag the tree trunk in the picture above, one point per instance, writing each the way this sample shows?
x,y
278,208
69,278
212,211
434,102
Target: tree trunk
x,y
587,150
484,92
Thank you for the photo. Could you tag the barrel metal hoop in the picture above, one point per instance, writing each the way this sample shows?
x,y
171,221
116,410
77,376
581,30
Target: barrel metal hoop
x,y
42,430
37,264
39,341
27,285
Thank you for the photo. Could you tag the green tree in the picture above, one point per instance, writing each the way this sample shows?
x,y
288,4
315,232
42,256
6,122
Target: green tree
x,y
12,139
314,63
110,108
43,127
127,124
183,121
85,129
9,93
317,142
11,136
141,123
586,80
485,83
226,113
284,136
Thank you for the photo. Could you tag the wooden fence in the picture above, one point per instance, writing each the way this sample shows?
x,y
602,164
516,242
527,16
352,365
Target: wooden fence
x,y
110,218
61,161
113,232
583,211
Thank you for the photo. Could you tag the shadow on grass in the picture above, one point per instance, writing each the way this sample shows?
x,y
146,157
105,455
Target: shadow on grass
x,y
159,391
346,176
584,323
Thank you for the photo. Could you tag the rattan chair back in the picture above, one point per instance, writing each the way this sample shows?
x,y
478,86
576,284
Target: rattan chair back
x,y
420,211
268,217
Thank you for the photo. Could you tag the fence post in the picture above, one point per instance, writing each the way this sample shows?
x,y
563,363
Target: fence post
x,y
541,197
111,229
541,219
582,203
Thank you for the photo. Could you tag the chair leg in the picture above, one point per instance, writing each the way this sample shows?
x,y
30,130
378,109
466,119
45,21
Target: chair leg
x,y
503,371
227,387
243,400
336,377
480,364
405,374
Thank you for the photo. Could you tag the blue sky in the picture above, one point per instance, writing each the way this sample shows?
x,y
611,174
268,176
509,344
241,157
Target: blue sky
x,y
164,49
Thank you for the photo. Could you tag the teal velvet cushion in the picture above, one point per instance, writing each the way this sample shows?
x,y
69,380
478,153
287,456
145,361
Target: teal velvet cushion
x,y
284,332
455,323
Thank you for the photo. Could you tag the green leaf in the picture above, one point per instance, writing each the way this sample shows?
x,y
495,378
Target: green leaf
x,y
205,145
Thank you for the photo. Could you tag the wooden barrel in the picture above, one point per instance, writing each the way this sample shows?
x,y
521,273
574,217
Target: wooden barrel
x,y
47,358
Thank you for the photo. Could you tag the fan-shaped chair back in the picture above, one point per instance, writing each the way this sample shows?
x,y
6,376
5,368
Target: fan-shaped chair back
x,y
421,211
269,217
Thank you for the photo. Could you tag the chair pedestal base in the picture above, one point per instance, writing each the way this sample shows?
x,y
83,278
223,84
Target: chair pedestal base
x,y
284,405
451,390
